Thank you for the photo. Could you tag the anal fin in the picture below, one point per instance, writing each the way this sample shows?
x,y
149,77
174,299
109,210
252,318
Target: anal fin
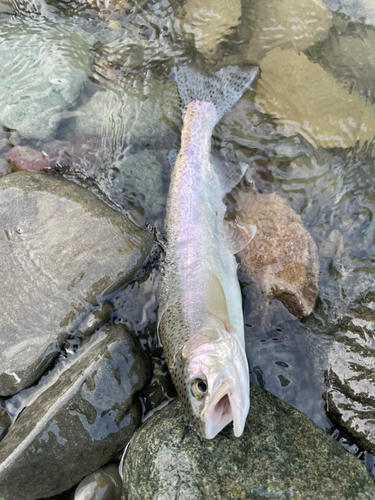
x,y
238,236
229,173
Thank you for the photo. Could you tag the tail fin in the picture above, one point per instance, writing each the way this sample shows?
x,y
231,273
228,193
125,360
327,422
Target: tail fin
x,y
224,88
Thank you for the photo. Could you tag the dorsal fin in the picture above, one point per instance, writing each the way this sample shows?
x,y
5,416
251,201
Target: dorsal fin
x,y
216,302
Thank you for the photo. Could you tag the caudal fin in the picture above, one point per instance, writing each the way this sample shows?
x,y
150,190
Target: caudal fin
x,y
223,88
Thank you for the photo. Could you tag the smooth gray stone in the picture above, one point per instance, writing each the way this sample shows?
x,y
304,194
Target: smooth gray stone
x,y
60,249
281,453
103,484
81,415
43,66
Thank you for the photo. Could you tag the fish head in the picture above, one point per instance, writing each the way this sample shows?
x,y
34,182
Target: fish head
x,y
213,381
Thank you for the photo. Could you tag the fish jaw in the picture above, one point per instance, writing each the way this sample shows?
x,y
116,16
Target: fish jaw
x,y
215,356
227,406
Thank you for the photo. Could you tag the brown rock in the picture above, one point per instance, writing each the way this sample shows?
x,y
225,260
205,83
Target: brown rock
x,y
282,257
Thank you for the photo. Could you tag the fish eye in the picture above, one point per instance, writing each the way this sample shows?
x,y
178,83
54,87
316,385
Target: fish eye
x,y
198,388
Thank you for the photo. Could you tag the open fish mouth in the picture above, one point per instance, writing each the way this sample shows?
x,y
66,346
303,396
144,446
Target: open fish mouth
x,y
222,410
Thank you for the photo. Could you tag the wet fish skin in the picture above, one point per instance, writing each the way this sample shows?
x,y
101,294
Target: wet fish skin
x,y
200,307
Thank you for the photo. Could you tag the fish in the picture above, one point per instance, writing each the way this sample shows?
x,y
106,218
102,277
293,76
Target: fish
x,y
200,317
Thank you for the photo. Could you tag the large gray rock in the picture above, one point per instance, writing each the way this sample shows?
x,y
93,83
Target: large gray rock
x,y
43,66
61,248
80,415
281,454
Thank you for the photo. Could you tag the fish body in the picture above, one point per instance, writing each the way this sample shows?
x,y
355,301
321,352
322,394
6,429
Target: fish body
x,y
200,306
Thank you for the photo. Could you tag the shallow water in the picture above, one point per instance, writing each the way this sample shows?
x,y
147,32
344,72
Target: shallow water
x,y
116,129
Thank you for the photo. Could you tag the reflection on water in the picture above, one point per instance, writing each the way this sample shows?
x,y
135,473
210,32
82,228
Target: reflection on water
x,y
106,115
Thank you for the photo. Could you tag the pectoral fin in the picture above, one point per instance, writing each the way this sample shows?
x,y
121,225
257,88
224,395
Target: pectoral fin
x,y
238,236
216,302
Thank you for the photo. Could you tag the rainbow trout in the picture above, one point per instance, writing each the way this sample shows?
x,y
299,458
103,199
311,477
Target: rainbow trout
x,y
200,307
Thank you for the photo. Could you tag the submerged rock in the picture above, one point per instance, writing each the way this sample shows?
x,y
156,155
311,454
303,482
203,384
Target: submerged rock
x,y
43,66
209,21
288,24
134,127
136,180
351,60
80,415
103,484
146,115
132,179
281,454
61,249
282,257
305,99
350,378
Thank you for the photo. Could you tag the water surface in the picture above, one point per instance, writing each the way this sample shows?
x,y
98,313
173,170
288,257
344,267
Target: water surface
x,y
98,75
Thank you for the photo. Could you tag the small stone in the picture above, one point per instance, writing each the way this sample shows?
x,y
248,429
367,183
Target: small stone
x,y
282,257
26,158
103,484
281,454
304,99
